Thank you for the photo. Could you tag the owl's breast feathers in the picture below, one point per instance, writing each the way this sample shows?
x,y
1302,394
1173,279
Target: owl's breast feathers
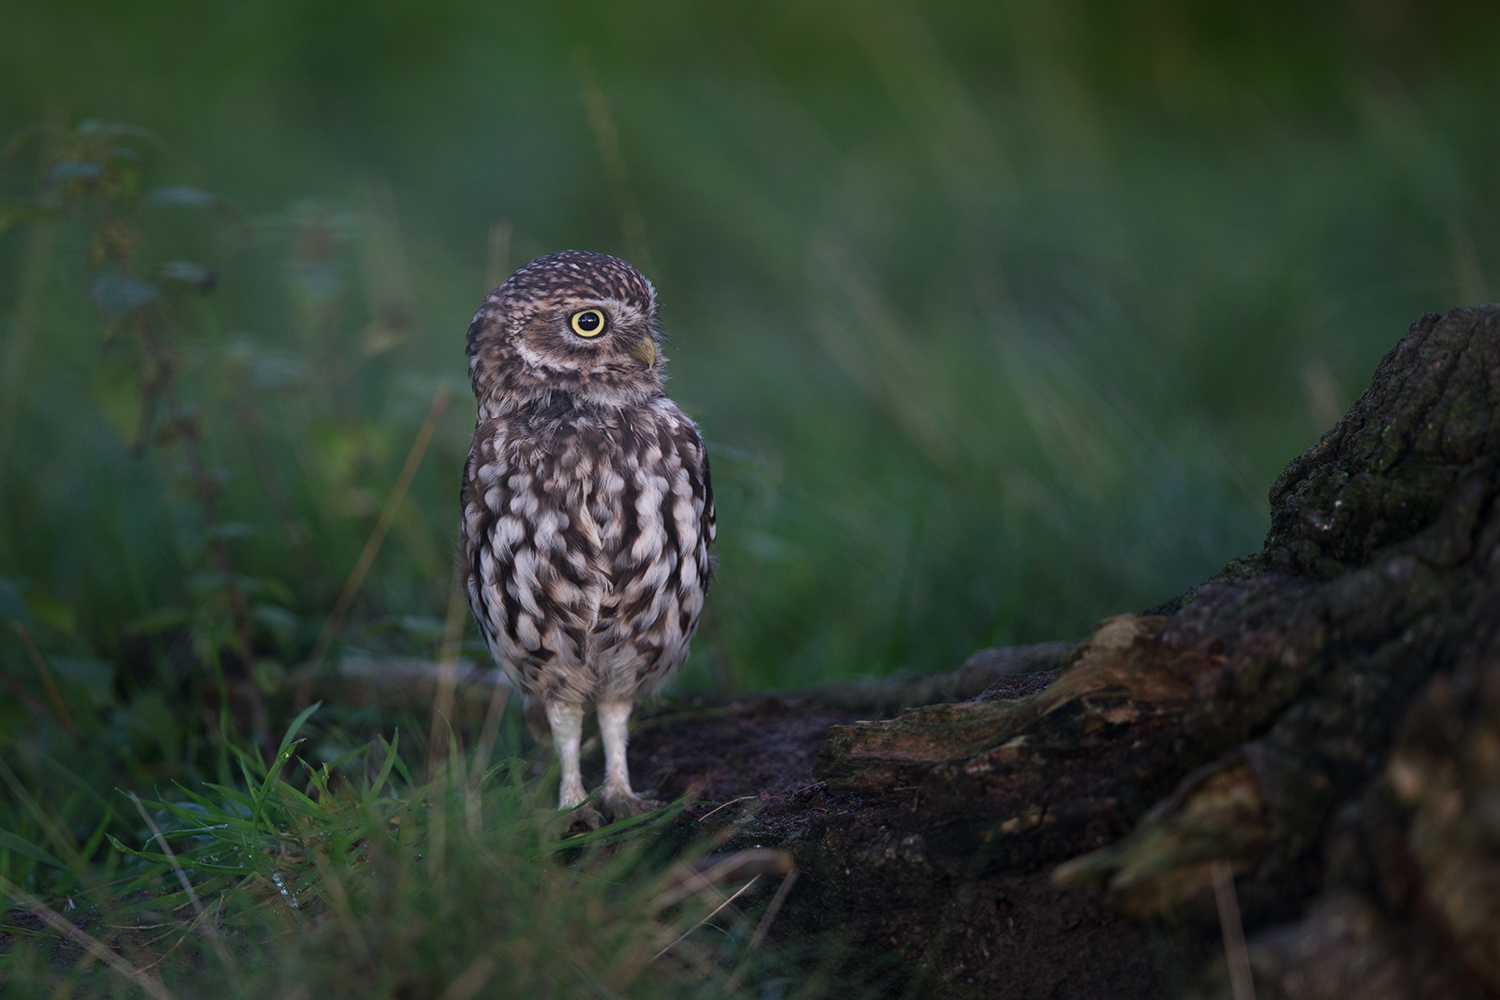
x,y
586,534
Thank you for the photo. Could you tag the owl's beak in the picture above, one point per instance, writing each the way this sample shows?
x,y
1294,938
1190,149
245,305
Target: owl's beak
x,y
645,349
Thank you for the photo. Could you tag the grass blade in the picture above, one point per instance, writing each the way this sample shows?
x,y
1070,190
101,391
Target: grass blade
x,y
23,846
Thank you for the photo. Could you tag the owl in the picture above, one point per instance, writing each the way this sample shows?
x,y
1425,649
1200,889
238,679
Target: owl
x,y
587,509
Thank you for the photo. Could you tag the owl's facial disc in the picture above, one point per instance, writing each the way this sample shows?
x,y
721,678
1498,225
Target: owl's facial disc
x,y
575,323
626,329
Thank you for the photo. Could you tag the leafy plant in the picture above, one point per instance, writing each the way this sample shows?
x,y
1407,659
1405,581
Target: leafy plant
x,y
91,176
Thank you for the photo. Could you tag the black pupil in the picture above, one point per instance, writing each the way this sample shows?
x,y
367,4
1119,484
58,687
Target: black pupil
x,y
589,321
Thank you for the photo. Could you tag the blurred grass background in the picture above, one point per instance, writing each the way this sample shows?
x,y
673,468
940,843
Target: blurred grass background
x,y
998,318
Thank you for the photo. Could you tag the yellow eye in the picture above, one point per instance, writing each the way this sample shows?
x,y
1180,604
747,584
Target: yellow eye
x,y
588,323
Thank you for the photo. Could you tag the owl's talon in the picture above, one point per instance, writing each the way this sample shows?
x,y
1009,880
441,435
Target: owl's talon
x,y
581,819
622,805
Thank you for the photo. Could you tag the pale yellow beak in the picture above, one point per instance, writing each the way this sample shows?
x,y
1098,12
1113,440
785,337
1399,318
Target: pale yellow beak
x,y
645,349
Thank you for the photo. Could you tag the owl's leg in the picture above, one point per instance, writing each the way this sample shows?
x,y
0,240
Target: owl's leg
x,y
614,729
566,720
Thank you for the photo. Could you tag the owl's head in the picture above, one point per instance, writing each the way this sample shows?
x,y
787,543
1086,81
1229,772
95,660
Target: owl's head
x,y
572,323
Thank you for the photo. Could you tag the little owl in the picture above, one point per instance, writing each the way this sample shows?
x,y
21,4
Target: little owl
x,y
587,510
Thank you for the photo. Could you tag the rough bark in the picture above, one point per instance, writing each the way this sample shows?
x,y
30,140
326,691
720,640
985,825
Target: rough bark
x,y
1324,716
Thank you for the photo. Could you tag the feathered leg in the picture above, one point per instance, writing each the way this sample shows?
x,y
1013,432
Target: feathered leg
x,y
566,721
614,729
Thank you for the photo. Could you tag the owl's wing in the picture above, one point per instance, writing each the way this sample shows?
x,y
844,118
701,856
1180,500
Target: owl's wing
x,y
709,525
660,567
528,567
477,519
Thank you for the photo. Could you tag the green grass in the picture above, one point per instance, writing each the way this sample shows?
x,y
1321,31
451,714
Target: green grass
x,y
352,879
998,319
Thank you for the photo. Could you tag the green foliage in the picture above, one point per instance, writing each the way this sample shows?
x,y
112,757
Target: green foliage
x,y
356,881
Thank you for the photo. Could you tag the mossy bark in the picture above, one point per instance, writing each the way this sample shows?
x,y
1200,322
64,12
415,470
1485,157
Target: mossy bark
x,y
1324,716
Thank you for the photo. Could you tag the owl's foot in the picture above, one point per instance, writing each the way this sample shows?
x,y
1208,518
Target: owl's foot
x,y
582,818
576,812
622,803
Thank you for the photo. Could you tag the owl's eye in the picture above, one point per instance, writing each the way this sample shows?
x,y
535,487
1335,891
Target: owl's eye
x,y
588,323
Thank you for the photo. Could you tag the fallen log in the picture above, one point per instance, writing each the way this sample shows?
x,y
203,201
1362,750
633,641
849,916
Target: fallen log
x,y
413,685
1323,718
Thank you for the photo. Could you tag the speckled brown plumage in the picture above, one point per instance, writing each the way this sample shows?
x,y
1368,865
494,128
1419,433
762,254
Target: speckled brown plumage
x,y
587,507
